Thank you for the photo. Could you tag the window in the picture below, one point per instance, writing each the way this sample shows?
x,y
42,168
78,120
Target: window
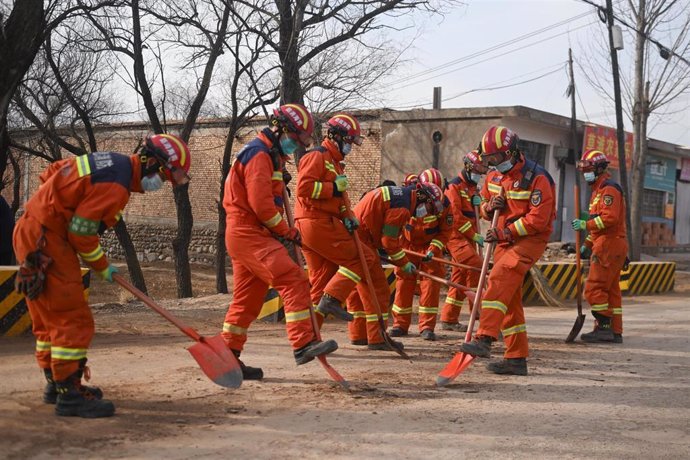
x,y
652,203
534,151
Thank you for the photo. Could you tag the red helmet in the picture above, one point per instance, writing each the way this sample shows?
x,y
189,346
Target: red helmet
x,y
294,118
172,156
474,164
347,127
432,196
499,139
410,179
431,175
592,160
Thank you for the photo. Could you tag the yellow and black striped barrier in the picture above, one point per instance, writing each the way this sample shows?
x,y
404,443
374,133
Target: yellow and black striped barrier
x,y
640,278
14,315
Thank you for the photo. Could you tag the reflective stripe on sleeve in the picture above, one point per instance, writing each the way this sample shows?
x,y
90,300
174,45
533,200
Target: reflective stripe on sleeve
x,y
437,243
520,227
83,166
466,226
42,346
397,256
318,186
599,223
273,221
600,307
93,255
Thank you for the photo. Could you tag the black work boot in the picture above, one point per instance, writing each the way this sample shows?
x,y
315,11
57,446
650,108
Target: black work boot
x,y
397,332
248,373
617,338
602,332
313,349
428,334
73,402
509,366
330,305
384,346
480,346
50,392
457,327
360,342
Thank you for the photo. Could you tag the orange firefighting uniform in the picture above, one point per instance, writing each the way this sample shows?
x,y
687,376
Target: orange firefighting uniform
x,y
78,198
424,234
608,240
529,214
329,249
382,213
253,202
461,246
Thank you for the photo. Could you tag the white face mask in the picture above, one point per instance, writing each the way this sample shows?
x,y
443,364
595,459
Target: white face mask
x,y
590,177
347,148
474,177
151,183
421,210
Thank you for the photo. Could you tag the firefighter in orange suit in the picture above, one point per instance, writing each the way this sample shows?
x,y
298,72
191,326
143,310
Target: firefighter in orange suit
x,y
607,245
463,196
253,202
527,210
324,221
77,200
428,234
382,213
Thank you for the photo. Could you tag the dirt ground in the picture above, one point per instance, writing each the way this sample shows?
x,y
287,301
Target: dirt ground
x,y
615,401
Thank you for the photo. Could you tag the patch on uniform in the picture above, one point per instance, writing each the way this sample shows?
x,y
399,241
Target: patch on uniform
x,y
449,219
608,200
496,179
535,198
516,184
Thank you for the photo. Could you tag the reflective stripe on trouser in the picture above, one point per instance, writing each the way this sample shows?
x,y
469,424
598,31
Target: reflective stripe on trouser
x,y
502,301
602,286
462,252
259,260
617,320
61,318
367,326
333,260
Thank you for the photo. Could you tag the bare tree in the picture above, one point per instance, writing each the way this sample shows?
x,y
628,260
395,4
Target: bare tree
x,y
194,32
65,96
650,86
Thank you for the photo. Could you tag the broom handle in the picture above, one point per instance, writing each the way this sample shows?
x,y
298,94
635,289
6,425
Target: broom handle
x,y
578,259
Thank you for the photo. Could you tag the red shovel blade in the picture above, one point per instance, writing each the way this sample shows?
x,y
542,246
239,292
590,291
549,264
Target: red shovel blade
x,y
217,361
455,367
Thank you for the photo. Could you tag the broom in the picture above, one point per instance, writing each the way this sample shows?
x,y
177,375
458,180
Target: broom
x,y
541,284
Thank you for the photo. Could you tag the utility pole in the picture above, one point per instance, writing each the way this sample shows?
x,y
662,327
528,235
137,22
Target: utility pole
x,y
622,166
573,131
436,149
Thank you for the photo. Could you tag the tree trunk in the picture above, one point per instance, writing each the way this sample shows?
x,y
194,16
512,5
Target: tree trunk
x,y
16,184
133,266
185,223
290,24
221,252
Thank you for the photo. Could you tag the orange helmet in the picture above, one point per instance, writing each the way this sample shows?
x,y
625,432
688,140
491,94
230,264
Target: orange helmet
x,y
410,179
593,160
431,175
499,139
172,157
347,127
474,164
294,118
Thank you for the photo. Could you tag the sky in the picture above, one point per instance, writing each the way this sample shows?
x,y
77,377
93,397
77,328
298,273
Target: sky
x,y
467,43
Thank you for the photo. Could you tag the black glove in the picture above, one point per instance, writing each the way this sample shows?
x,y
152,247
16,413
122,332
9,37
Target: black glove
x,y
294,236
495,202
30,279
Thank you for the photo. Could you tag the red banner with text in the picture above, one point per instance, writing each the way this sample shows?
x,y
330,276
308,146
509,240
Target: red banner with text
x,y
604,139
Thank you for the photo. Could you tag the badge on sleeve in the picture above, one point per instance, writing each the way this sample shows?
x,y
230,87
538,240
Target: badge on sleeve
x,y
535,198
608,200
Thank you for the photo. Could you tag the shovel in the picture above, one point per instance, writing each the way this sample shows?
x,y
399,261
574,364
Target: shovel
x,y
469,293
452,263
461,360
212,354
580,320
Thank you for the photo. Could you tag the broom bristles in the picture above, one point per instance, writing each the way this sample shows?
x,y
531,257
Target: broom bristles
x,y
541,284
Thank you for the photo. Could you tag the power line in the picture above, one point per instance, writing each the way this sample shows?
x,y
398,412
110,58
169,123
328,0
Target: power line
x,y
662,49
492,48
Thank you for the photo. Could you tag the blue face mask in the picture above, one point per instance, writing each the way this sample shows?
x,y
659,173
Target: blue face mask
x,y
474,177
590,177
151,183
505,166
288,145
347,148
